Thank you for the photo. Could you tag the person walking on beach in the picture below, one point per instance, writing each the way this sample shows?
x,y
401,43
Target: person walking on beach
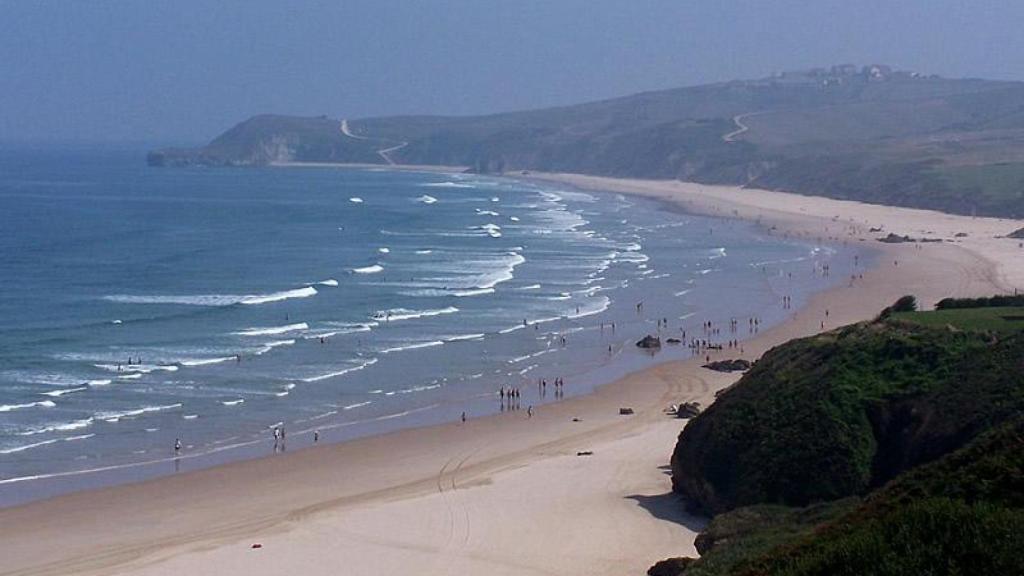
x,y
316,436
463,417
177,446
529,411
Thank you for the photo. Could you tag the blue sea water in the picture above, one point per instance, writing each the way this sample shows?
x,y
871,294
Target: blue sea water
x,y
141,305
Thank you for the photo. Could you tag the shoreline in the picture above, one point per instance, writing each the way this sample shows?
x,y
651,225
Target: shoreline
x,y
448,498
584,378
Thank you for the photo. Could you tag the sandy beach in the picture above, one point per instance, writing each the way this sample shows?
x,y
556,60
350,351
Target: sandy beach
x,y
505,494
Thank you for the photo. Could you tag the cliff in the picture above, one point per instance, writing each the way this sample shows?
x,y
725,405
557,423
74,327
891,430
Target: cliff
x,y
270,139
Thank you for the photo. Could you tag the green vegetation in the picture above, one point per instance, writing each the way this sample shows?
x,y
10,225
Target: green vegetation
x,y
963,514
732,539
890,447
994,184
991,301
1002,320
267,139
832,415
865,134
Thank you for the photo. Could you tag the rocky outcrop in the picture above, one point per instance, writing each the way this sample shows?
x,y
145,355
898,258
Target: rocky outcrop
x,y
895,239
736,365
688,410
1017,235
649,342
670,567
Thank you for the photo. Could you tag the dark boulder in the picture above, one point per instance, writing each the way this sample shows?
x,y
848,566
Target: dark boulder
x,y
688,410
895,239
737,365
649,342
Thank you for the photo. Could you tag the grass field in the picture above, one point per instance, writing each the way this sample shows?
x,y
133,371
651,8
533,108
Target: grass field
x,y
995,319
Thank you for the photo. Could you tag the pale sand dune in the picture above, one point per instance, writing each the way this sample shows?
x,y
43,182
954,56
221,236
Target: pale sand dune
x,y
503,494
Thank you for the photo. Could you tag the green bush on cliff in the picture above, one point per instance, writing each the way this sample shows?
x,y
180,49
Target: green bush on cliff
x,y
962,514
833,415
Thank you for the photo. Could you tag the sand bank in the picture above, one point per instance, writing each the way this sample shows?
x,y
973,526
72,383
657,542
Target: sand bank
x,y
505,494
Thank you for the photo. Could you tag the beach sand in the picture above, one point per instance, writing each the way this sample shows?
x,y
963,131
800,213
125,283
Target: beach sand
x,y
505,494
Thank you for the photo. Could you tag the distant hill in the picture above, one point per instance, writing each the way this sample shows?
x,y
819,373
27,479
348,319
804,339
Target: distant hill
x,y
870,134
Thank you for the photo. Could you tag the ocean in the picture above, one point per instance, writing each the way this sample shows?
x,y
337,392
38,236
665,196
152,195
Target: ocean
x,y
143,306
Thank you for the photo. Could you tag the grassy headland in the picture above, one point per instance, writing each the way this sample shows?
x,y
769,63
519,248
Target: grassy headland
x,y
889,447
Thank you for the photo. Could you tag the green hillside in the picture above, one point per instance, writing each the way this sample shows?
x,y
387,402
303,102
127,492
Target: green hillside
x,y
868,134
889,447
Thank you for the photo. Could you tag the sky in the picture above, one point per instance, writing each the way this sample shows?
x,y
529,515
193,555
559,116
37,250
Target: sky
x,y
183,71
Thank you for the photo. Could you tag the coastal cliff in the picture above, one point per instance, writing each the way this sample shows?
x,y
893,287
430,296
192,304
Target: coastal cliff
x,y
270,139
885,447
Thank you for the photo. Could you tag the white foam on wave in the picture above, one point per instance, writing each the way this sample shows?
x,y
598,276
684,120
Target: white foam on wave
x,y
40,404
398,314
279,296
514,218
233,402
530,287
268,346
412,390
63,391
16,449
487,212
486,273
102,382
271,330
413,346
59,427
427,199
491,229
355,200
356,405
468,293
384,250
373,269
335,374
421,252
446,185
213,299
329,282
114,417
336,328
595,306
464,337
682,292
206,361
634,257
135,376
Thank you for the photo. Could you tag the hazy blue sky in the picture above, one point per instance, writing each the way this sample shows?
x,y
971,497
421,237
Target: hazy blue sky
x,y
184,70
